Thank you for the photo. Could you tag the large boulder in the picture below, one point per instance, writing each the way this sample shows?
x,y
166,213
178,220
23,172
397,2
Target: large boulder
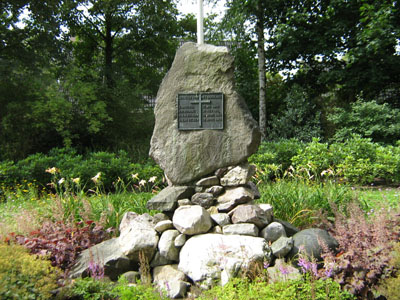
x,y
186,155
205,258
107,255
139,236
310,241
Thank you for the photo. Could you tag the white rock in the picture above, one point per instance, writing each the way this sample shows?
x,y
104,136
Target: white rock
x,y
233,197
192,220
180,240
239,175
204,257
163,225
169,279
241,229
221,219
166,245
138,236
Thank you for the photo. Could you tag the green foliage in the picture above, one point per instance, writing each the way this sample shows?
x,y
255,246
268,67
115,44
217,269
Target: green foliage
x,y
90,289
369,119
116,170
24,276
136,292
300,202
298,119
241,289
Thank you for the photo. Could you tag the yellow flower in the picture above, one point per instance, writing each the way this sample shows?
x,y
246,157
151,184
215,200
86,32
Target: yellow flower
x,y
52,170
76,180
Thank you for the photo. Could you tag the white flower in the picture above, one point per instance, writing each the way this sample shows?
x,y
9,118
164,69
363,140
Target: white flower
x,y
61,181
153,179
96,178
142,182
135,176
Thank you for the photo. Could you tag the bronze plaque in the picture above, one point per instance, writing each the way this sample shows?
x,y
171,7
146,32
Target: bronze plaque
x,y
200,111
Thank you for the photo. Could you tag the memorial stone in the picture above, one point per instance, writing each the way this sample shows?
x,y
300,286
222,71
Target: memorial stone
x,y
201,122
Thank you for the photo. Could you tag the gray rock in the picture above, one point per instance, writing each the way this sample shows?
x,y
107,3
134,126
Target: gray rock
x,y
126,219
183,202
204,257
166,200
139,236
268,209
163,225
251,185
159,260
250,214
233,197
282,271
282,246
187,155
221,219
180,240
205,200
310,240
160,217
208,181
131,276
239,175
216,190
192,220
221,172
289,228
241,229
166,245
273,231
106,254
172,281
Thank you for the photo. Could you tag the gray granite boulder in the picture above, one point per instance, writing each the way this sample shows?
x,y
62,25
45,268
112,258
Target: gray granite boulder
x,y
205,200
107,255
139,236
282,246
192,220
187,155
221,219
208,181
310,240
205,258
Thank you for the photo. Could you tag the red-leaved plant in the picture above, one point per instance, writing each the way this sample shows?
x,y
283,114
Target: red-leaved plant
x,y
365,243
63,243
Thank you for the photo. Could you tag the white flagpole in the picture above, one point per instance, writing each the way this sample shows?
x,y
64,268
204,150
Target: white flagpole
x,y
200,28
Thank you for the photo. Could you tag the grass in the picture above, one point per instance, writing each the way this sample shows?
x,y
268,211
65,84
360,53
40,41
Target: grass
x,y
372,197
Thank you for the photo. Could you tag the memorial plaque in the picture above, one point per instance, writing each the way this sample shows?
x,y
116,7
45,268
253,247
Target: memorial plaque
x,y
200,111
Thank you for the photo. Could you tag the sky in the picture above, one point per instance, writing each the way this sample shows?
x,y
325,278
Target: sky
x,y
190,6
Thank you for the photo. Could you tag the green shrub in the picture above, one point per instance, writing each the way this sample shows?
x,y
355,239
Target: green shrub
x,y
89,289
369,119
242,289
24,276
136,292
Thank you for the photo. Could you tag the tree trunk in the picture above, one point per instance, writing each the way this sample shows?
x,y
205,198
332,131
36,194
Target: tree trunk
x,y
261,70
108,52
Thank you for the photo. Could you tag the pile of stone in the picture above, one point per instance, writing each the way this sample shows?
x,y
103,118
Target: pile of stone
x,y
209,231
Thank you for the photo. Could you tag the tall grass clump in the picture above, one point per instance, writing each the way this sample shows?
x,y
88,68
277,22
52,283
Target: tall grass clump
x,y
301,202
